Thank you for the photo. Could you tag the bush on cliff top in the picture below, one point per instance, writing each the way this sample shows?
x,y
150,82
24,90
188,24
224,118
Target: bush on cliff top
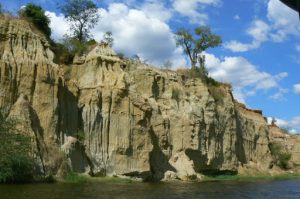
x,y
16,165
37,16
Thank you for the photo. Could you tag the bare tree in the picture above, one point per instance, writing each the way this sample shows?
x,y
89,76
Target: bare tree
x,y
167,64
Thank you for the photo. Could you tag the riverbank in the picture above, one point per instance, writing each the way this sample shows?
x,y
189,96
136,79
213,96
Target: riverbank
x,y
74,178
261,177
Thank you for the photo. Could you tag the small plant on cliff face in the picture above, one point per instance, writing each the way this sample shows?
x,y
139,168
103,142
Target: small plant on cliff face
x,y
176,94
36,15
281,156
80,135
16,165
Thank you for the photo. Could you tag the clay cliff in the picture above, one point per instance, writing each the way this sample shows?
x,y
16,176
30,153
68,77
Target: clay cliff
x,y
106,116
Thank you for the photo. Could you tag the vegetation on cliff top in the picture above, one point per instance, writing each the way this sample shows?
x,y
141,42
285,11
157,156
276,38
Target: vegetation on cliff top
x,y
37,16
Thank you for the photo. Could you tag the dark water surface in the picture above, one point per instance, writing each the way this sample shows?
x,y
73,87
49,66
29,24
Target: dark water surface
x,y
261,189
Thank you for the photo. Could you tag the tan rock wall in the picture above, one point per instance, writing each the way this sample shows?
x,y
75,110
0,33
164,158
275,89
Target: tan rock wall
x,y
132,120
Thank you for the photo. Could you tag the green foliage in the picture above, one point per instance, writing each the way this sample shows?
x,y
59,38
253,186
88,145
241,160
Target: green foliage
x,y
80,135
82,16
70,46
16,165
281,156
194,45
202,73
62,54
36,15
76,178
91,42
121,55
176,94
74,46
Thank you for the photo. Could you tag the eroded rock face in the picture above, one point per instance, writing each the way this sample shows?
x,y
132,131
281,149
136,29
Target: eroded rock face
x,y
115,118
290,143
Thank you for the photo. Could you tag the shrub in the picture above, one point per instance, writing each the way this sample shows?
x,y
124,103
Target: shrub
x,y
62,54
198,72
176,94
217,93
66,51
80,135
281,156
16,164
36,15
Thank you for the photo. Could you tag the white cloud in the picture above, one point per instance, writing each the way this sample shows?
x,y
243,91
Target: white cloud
x,y
134,32
236,17
293,126
279,122
189,8
296,123
284,21
236,46
297,47
58,25
279,95
156,9
297,88
258,30
243,75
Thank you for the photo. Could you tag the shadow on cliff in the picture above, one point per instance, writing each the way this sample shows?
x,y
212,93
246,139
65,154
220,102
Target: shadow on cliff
x,y
39,139
239,146
201,162
159,162
70,123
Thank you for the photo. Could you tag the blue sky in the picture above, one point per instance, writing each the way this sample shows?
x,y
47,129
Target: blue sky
x,y
260,54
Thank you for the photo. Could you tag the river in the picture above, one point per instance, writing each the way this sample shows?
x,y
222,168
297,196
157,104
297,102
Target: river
x,y
177,190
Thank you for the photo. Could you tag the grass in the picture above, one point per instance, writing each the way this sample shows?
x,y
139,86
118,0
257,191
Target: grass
x,y
288,176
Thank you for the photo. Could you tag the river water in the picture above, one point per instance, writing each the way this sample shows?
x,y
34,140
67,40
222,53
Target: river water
x,y
176,190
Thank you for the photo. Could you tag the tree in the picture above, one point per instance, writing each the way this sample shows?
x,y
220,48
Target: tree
x,y
167,65
273,122
108,39
82,16
37,16
193,47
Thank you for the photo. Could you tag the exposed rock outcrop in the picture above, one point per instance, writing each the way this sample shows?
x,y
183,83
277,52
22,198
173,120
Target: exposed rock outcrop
x,y
111,117
290,143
